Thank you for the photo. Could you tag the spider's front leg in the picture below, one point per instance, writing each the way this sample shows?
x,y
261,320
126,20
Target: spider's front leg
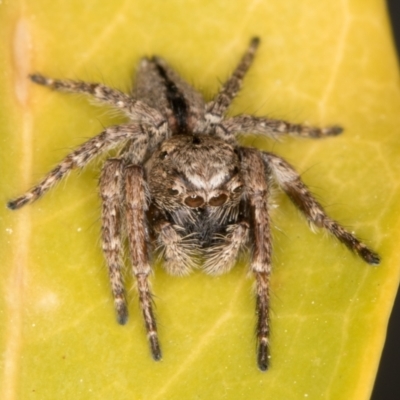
x,y
136,204
112,200
256,187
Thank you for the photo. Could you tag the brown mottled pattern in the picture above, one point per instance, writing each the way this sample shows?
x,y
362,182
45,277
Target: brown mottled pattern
x,y
135,207
218,106
291,184
254,173
274,128
182,186
111,216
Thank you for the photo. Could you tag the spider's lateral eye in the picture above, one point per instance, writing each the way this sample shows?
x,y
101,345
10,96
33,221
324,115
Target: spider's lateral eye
x,y
194,201
173,192
163,155
196,140
218,200
238,189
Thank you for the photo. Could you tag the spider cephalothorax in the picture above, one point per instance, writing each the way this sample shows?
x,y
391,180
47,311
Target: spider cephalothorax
x,y
183,185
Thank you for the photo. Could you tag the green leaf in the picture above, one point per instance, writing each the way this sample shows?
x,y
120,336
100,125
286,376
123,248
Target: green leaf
x,y
329,62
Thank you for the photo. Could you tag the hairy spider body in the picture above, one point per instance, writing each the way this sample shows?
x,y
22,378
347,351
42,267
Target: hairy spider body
x,y
183,185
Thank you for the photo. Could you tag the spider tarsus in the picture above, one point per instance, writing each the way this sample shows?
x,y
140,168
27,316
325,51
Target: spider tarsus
x,y
262,356
122,315
369,256
16,204
156,356
255,41
333,130
37,78
11,205
155,347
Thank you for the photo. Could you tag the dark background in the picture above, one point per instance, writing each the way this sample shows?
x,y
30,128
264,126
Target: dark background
x,y
387,385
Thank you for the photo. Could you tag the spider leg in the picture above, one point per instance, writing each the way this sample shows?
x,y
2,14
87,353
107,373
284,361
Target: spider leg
x,y
270,127
216,108
134,109
290,182
79,158
255,172
112,196
135,207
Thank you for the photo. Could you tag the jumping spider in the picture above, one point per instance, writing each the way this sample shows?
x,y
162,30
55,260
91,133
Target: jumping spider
x,y
182,184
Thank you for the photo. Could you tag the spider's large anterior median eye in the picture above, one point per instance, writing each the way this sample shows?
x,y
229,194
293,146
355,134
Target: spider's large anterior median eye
x,y
218,200
194,201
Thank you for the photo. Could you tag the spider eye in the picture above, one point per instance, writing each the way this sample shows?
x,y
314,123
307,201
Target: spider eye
x,y
173,192
237,189
218,200
163,155
194,201
196,140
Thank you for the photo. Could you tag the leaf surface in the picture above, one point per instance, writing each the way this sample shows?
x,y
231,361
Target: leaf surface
x,y
328,62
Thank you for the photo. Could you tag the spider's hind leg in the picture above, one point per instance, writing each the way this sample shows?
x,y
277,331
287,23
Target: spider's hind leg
x,y
132,108
216,108
100,92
